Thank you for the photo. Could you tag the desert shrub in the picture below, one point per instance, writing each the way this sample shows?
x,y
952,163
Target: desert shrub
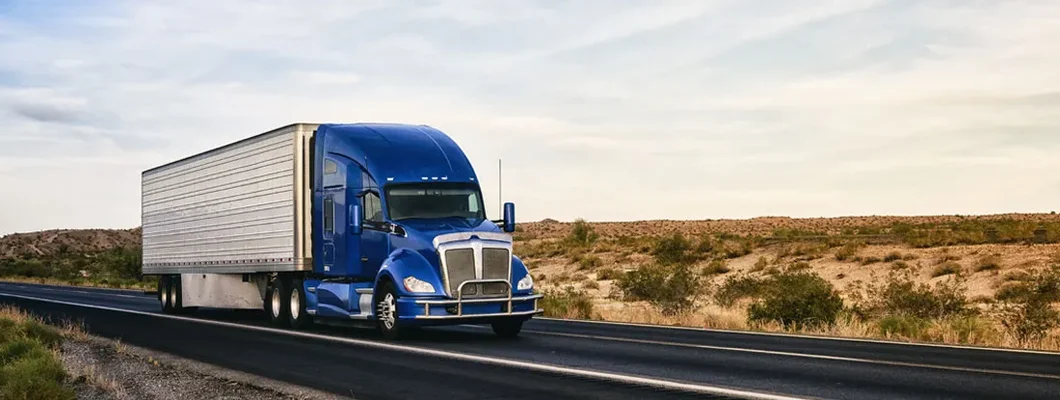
x,y
567,303
900,265
541,277
672,249
706,246
672,288
899,294
797,300
591,284
739,248
892,256
716,267
760,265
1026,309
582,234
578,277
901,325
799,266
947,268
946,257
988,263
848,251
28,368
590,261
608,274
870,260
736,288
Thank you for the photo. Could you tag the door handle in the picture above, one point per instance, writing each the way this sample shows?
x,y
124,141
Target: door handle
x,y
364,259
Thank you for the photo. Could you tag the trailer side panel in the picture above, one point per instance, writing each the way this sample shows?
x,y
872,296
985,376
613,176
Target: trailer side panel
x,y
235,209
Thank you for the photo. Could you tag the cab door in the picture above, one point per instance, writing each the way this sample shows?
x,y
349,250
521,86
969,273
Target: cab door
x,y
339,249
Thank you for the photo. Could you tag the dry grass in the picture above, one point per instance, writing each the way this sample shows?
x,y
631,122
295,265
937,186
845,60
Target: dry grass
x,y
57,282
980,332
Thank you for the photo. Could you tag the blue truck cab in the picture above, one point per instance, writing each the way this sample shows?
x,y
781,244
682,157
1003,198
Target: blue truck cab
x,y
400,237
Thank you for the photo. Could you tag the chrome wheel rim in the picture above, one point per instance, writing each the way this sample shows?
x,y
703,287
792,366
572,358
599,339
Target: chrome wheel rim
x,y
165,294
296,303
173,294
275,302
387,311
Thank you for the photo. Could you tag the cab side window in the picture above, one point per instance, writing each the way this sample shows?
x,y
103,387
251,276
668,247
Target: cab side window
x,y
373,209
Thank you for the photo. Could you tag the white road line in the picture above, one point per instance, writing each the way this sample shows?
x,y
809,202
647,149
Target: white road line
x,y
800,355
608,376
801,336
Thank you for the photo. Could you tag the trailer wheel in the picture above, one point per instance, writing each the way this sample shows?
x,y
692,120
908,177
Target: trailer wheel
x,y
275,305
386,311
296,303
507,328
175,295
163,294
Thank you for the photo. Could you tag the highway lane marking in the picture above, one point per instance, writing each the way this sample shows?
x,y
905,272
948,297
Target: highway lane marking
x,y
801,355
798,336
67,287
606,376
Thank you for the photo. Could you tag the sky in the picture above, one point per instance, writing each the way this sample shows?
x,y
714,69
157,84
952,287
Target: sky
x,y
608,110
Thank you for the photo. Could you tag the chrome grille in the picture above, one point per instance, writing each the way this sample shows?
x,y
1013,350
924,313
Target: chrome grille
x,y
460,267
460,264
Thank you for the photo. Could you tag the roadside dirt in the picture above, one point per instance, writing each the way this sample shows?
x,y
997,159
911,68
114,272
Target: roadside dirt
x,y
102,369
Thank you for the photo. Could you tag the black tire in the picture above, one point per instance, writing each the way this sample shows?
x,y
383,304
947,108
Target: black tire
x,y
176,298
507,328
163,294
386,312
275,307
296,305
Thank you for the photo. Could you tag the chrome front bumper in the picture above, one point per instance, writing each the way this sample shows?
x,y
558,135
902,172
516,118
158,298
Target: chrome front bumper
x,y
460,301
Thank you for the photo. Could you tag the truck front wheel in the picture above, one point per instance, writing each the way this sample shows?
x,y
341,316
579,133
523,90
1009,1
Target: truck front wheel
x,y
386,312
507,328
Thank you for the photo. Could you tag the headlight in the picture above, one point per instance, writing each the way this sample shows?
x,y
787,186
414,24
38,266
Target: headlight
x,y
526,283
417,286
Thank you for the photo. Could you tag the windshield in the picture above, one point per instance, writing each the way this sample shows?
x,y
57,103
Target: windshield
x,y
434,200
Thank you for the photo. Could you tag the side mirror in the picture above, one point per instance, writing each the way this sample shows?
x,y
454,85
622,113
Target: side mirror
x,y
355,219
509,217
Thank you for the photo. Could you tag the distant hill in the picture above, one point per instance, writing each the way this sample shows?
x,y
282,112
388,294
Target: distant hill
x,y
52,243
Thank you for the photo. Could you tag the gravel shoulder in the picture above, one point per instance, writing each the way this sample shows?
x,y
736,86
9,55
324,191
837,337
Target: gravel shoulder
x,y
102,369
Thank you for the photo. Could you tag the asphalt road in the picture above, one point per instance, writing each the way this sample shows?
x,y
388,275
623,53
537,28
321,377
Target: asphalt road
x,y
554,359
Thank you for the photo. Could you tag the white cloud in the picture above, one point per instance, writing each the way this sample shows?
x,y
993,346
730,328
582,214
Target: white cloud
x,y
601,110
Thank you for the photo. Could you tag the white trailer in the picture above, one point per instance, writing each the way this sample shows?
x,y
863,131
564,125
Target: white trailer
x,y
218,220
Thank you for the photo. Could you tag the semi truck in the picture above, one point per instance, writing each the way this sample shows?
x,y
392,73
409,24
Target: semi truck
x,y
379,224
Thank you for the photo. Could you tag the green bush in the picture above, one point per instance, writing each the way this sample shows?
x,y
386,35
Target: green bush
x,y
716,267
947,268
905,326
892,256
608,274
566,303
797,300
848,251
582,234
988,263
672,249
736,288
29,370
672,288
589,262
760,265
900,295
1026,311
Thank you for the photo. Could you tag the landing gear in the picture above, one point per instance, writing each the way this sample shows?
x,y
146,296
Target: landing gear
x,y
507,328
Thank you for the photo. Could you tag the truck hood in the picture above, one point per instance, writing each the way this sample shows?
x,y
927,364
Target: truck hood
x,y
421,233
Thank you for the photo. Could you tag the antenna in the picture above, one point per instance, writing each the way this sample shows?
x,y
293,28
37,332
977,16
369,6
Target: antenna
x,y
500,198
